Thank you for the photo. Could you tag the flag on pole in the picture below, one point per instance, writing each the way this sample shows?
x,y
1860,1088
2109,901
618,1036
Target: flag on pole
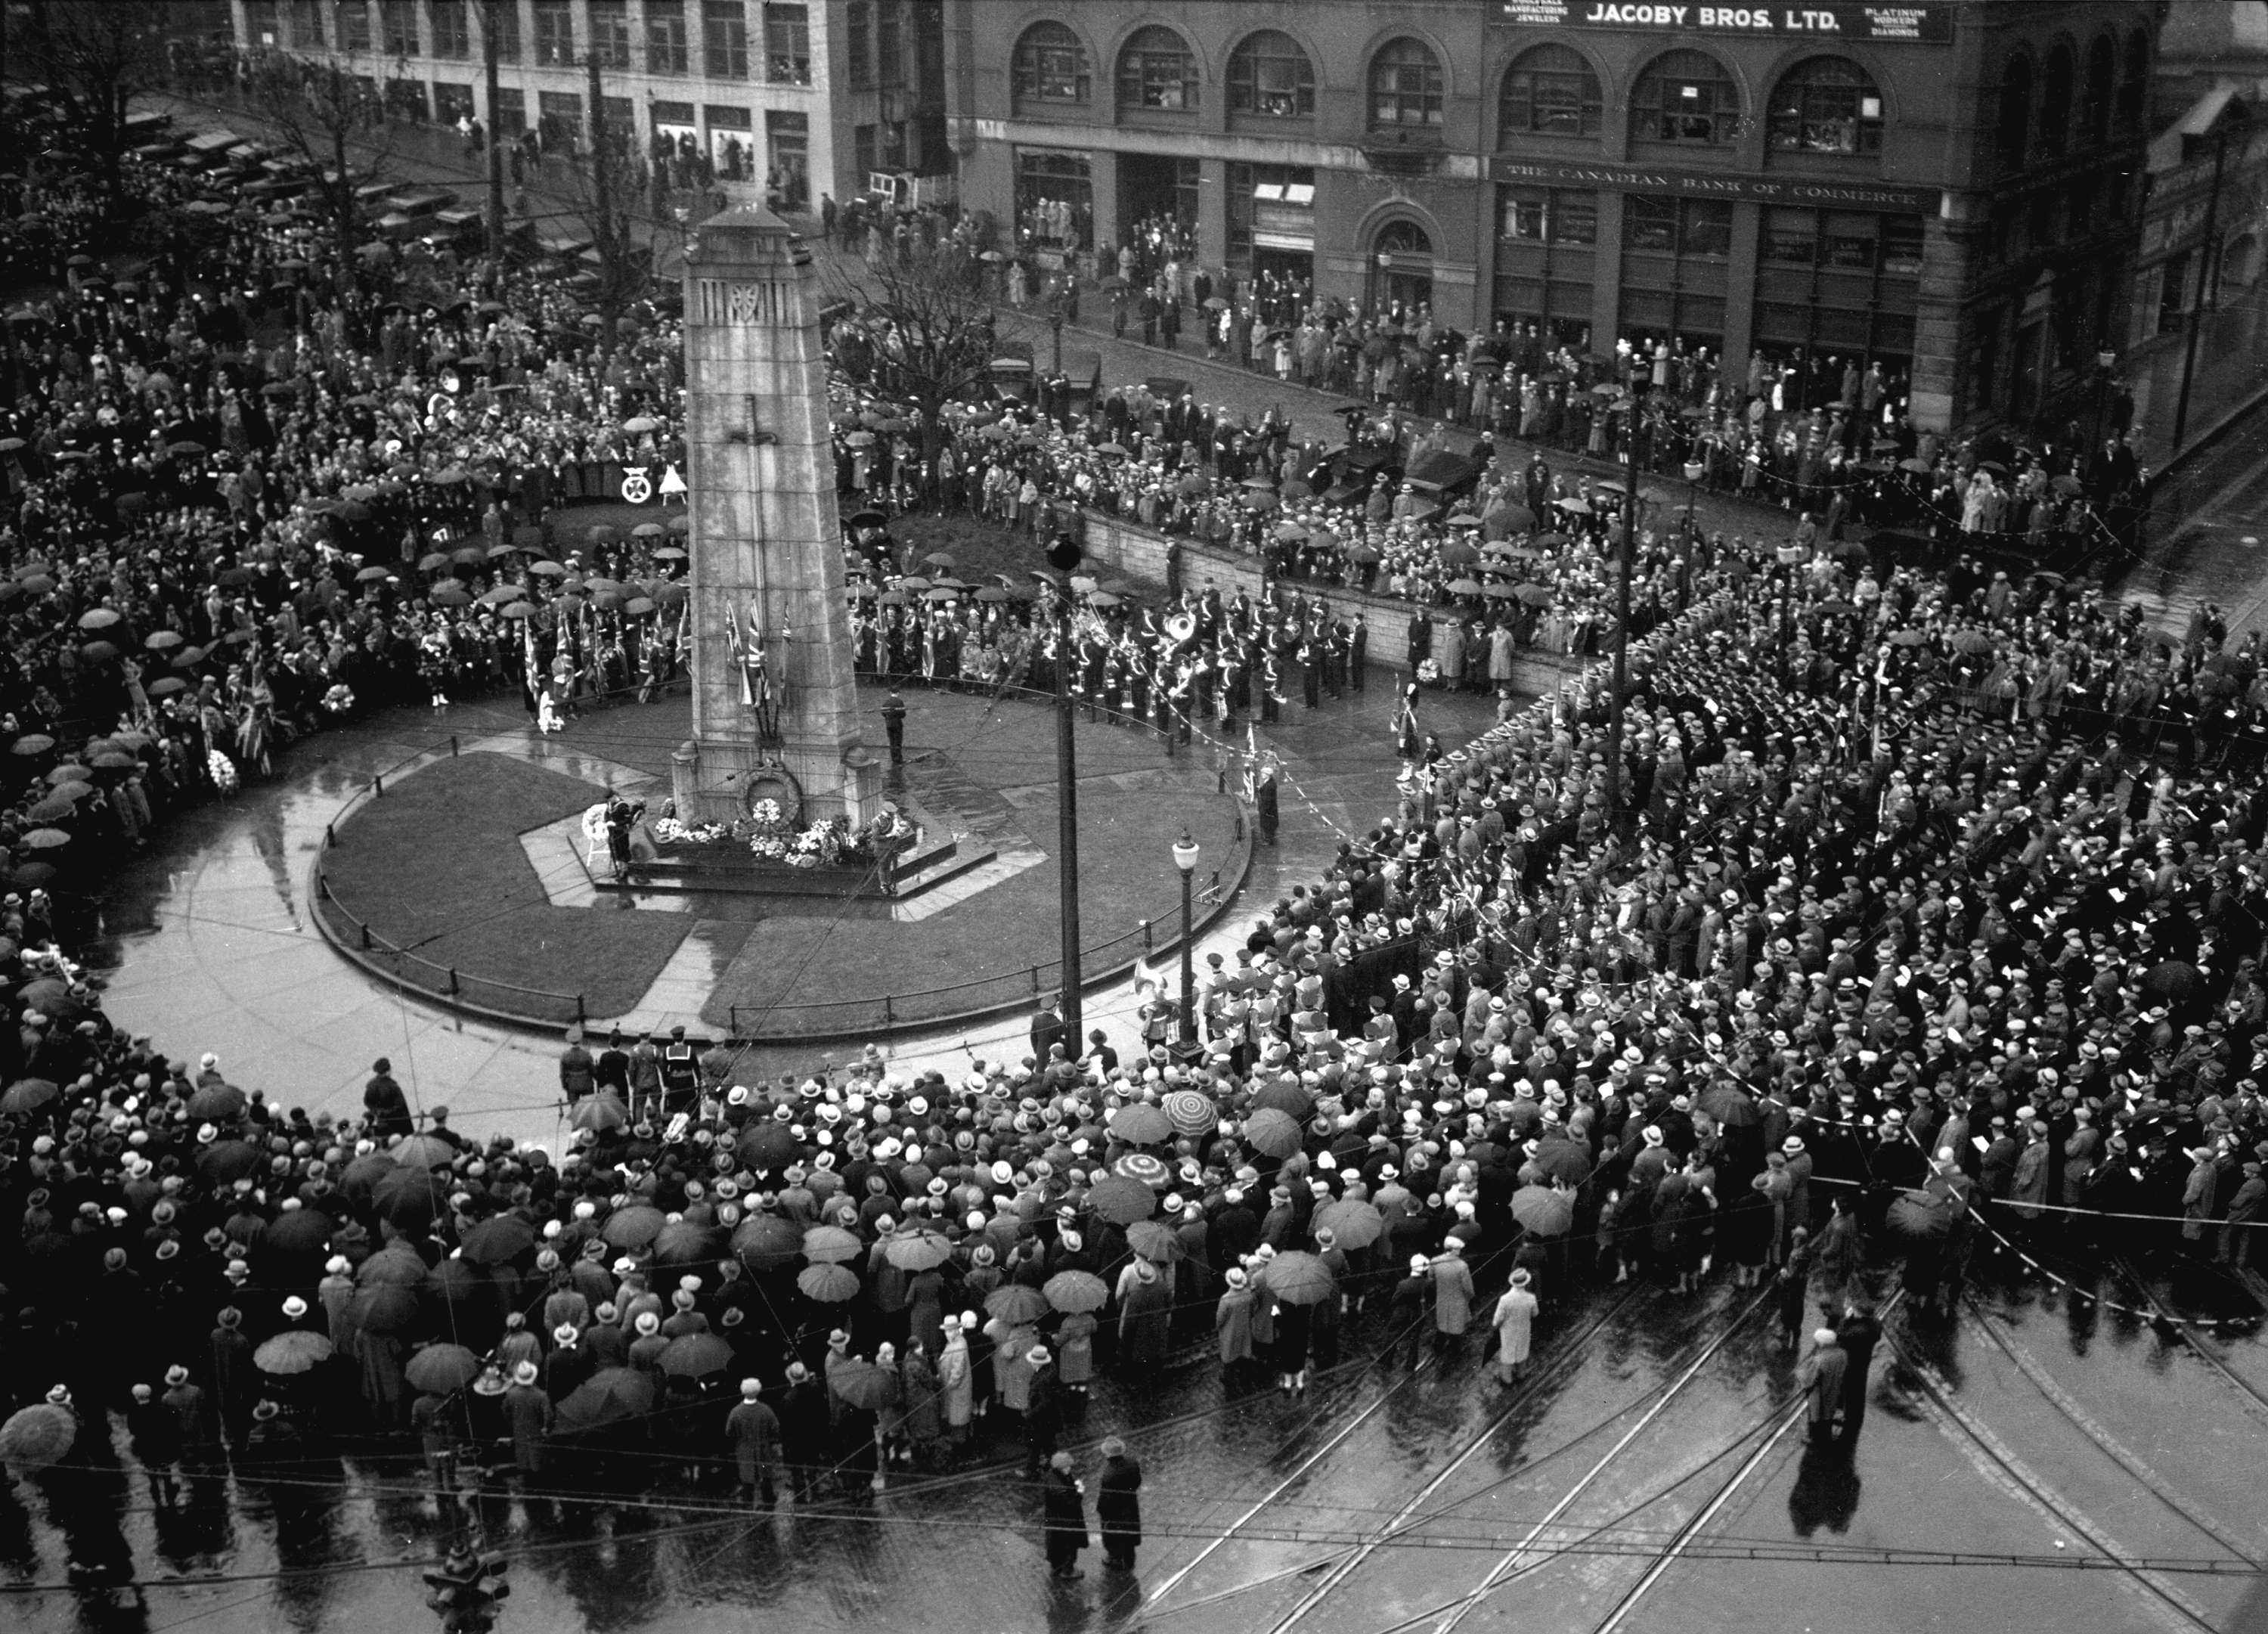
x,y
1251,761
1405,726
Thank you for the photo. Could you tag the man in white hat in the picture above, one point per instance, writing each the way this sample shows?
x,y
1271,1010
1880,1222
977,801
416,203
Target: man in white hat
x,y
527,1416
1408,1316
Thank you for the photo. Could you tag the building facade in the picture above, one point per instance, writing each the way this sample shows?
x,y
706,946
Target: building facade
x,y
1949,189
821,93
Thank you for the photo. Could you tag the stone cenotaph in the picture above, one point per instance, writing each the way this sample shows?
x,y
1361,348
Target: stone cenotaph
x,y
774,698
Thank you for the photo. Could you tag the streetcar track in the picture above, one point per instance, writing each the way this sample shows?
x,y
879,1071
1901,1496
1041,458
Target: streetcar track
x,y
2099,1434
1510,1561
1570,1345
2206,1352
1409,1516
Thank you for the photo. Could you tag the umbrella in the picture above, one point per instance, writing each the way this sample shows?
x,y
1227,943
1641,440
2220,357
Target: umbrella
x,y
1153,1241
695,1356
765,1242
830,1245
608,1396
395,1265
769,1146
2173,980
441,1368
1073,1291
216,1103
1969,641
295,1351
1142,1125
633,1227
1545,1211
28,1094
32,743
867,1385
919,1250
1730,1105
597,1113
1300,1278
162,640
389,1307
1142,1167
1921,1213
38,1435
687,1242
1285,1095
498,1240
1122,1201
830,1284
358,1179
99,618
425,1152
225,1162
1353,1222
1016,1304
1191,1112
1272,1133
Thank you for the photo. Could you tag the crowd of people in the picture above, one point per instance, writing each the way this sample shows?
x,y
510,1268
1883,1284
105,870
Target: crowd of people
x,y
1918,913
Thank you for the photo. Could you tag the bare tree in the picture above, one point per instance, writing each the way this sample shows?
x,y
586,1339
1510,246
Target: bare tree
x,y
96,56
920,328
333,117
600,192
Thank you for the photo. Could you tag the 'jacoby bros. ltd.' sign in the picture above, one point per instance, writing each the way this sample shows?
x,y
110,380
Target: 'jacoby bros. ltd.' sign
x,y
1930,23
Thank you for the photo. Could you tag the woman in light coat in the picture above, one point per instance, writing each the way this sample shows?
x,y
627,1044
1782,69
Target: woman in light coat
x,y
956,1383
1515,1322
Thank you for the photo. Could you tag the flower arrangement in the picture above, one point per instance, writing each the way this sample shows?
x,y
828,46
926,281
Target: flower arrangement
x,y
1429,673
670,831
223,772
339,699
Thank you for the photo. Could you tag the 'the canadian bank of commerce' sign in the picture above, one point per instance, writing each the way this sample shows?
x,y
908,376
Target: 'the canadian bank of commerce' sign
x,y
1701,184
1927,24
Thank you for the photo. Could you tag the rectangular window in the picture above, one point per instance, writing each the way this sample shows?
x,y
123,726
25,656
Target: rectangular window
x,y
2174,298
262,30
1851,240
865,149
452,101
725,38
787,44
405,100
1548,215
1526,210
1902,245
1650,225
787,135
507,18
307,25
1055,196
509,116
353,32
858,30
453,36
1705,229
555,34
618,122
666,50
399,20
561,113
889,69
610,33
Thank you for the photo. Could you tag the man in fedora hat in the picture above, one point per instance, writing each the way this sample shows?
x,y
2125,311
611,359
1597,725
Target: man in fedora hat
x,y
752,1431
527,1415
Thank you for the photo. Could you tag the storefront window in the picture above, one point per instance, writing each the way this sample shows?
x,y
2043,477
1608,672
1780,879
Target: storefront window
x,y
1055,197
1548,215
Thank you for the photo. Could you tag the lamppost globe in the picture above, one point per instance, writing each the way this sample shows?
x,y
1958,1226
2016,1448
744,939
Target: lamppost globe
x,y
1185,852
1185,859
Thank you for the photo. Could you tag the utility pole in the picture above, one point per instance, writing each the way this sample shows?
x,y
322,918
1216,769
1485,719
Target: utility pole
x,y
1624,559
1064,557
601,162
2208,260
496,147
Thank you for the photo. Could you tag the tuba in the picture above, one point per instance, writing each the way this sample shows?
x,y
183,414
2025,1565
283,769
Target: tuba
x,y
1180,629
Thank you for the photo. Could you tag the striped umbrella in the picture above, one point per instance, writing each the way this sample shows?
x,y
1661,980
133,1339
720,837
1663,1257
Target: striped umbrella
x,y
1191,1113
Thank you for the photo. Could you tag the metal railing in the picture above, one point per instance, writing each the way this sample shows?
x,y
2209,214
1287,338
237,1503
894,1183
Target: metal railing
x,y
457,988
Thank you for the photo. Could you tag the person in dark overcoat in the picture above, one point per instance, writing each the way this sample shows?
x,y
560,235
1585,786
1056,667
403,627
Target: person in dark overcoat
x,y
1063,1513
1118,1505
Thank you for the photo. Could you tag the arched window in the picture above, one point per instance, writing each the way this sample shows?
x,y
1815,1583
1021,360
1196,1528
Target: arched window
x,y
1827,105
1402,238
1405,86
1051,66
2134,88
2016,123
1157,70
1269,74
1549,91
1685,97
2094,111
2055,102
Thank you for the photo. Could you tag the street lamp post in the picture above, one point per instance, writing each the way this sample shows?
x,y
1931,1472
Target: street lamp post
x,y
1185,859
1693,470
1625,558
1065,556
2105,361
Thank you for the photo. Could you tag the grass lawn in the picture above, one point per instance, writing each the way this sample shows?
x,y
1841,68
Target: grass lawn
x,y
475,904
